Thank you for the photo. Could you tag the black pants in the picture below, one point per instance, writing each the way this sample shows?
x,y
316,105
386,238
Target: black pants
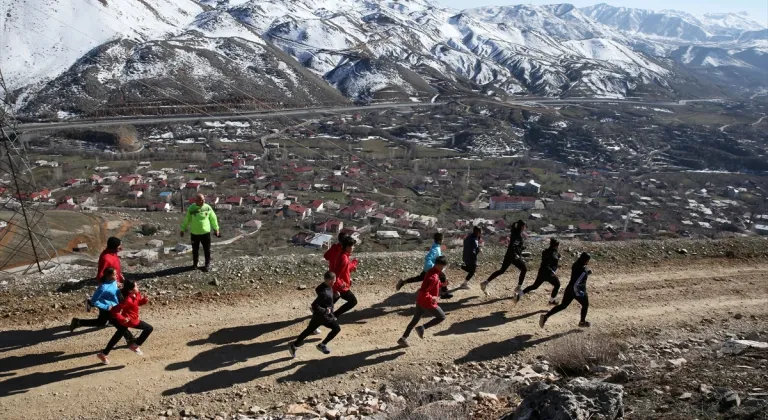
x,y
420,277
436,312
520,264
102,321
350,302
569,297
145,328
206,241
470,269
318,320
545,277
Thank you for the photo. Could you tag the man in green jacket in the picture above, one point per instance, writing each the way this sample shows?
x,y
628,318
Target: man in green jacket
x,y
201,220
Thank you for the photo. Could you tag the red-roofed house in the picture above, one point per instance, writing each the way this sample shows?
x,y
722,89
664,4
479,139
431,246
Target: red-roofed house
x,y
317,206
297,210
192,186
130,179
587,227
66,200
333,226
506,202
96,179
234,200
41,195
72,183
141,187
304,186
303,170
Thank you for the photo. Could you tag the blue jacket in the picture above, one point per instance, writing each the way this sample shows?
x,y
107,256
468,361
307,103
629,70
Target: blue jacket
x,y
106,296
434,252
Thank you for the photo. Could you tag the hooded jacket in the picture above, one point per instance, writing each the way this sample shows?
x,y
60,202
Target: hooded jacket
x,y
471,249
429,259
200,220
579,276
516,245
429,292
106,296
324,299
332,255
343,270
550,260
127,312
109,258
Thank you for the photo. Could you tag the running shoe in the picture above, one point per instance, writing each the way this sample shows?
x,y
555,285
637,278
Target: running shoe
x,y
136,349
542,320
400,284
518,296
484,288
317,331
206,268
403,342
323,348
292,350
446,295
465,286
420,331
103,358
584,324
554,302
73,325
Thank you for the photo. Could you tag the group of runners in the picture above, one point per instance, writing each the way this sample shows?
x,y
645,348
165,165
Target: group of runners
x,y
118,300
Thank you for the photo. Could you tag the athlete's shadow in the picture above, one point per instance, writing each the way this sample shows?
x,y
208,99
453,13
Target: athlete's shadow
x,y
484,324
22,384
497,349
172,271
246,332
17,339
32,360
336,365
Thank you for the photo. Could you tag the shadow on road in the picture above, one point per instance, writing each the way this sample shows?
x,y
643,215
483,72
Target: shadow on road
x,y
240,333
31,360
497,349
475,325
17,339
156,274
320,369
231,354
22,384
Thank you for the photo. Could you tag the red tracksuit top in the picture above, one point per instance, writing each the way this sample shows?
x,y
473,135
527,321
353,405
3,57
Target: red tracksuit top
x,y
129,309
332,255
109,258
343,270
430,290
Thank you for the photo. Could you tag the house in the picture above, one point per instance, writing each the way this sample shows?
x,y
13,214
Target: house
x,y
130,179
166,195
304,186
86,201
319,241
141,187
732,192
506,202
297,210
96,179
317,206
234,200
387,234
192,185
587,227
159,207
101,189
224,206
136,194
333,226
527,188
67,199
40,196
761,229
303,170
72,183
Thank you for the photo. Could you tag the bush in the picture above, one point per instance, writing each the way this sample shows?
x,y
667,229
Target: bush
x,y
578,354
425,402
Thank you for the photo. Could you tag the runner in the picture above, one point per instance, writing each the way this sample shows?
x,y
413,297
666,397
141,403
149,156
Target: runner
x,y
512,257
200,220
104,298
343,270
426,302
576,290
429,261
333,252
550,259
126,315
322,314
109,258
471,251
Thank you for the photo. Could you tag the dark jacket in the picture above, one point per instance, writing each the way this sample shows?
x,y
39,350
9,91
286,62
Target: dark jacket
x,y
578,283
550,259
324,299
471,249
516,245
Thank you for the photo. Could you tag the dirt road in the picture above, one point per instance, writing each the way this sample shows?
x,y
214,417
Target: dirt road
x,y
201,352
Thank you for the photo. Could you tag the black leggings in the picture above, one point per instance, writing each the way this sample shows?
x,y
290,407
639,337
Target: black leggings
x,y
520,264
540,279
569,297
318,320
351,302
102,321
420,277
470,269
436,312
206,241
145,328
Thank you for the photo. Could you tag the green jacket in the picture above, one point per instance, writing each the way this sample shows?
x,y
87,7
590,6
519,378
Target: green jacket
x,y
200,220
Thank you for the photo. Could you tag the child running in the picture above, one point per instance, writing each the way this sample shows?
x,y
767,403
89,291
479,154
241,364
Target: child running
x,y
322,314
104,298
514,256
126,315
429,261
343,270
426,302
576,290
550,259
333,252
471,251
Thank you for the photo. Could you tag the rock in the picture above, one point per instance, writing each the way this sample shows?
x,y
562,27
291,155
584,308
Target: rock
x,y
303,287
682,251
215,282
187,412
578,399
256,410
676,363
183,248
738,316
540,368
332,414
620,377
155,244
487,396
753,336
528,373
737,347
458,398
730,399
685,396
705,389
300,410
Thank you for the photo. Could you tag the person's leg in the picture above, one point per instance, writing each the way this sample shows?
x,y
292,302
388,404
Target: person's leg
x,y
536,284
101,321
206,241
113,341
315,322
146,330
584,302
414,279
351,302
555,282
567,299
195,249
335,329
444,293
416,318
439,316
520,264
504,266
471,268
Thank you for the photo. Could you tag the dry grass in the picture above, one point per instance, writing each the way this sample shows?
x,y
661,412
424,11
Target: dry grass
x,y
425,402
578,354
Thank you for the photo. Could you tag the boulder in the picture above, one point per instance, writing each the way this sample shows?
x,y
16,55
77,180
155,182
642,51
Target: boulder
x,y
737,347
155,244
183,248
580,399
729,400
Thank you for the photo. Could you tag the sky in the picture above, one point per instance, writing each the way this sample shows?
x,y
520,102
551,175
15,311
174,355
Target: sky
x,y
757,9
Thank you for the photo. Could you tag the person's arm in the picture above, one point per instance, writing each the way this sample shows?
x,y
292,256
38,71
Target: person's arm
x,y
352,264
214,222
100,270
117,313
143,300
185,222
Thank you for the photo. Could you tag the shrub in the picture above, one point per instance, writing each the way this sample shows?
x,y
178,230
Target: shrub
x,y
577,354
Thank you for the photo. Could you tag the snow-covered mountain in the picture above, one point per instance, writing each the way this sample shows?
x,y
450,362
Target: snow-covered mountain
x,y
80,55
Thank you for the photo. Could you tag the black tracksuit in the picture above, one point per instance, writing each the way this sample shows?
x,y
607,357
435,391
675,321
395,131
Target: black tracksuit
x,y
322,315
513,257
550,259
471,251
576,290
